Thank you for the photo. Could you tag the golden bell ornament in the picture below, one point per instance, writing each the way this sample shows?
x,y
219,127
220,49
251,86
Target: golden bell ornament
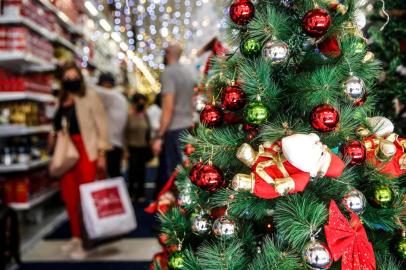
x,y
385,151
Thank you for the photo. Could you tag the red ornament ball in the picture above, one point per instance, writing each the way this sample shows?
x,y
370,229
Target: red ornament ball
x,y
163,239
161,259
232,118
324,118
241,12
233,98
189,149
316,22
210,178
194,171
330,47
211,116
356,151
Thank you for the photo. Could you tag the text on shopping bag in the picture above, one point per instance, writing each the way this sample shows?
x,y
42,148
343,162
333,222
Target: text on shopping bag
x,y
108,202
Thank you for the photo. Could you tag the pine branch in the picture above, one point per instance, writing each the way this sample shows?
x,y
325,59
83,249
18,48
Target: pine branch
x,y
175,225
222,255
297,216
274,256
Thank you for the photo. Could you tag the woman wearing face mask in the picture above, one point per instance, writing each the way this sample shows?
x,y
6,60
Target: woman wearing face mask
x,y
137,136
81,111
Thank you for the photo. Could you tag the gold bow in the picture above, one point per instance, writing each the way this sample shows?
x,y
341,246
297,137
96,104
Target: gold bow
x,y
249,157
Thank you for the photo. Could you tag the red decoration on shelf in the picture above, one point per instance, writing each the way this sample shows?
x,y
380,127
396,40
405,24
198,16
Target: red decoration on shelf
x,y
194,171
211,116
325,118
316,22
356,151
210,178
330,47
189,149
233,98
349,241
242,11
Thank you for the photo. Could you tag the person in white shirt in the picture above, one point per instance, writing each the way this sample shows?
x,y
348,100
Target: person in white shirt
x,y
116,106
154,113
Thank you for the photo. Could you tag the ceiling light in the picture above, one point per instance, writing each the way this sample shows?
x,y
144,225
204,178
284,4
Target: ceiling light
x,y
106,26
91,8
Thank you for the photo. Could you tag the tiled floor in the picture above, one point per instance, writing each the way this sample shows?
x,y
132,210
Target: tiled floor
x,y
141,250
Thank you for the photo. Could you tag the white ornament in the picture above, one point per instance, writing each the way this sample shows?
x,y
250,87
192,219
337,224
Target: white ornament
x,y
381,126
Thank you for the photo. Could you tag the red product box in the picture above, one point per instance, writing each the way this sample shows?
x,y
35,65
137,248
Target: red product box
x,y
22,190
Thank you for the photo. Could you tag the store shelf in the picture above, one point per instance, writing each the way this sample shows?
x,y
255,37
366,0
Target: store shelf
x,y
7,19
40,198
23,167
20,130
66,22
23,61
12,96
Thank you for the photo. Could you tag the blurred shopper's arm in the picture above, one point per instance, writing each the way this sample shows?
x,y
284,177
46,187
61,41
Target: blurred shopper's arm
x,y
100,119
168,101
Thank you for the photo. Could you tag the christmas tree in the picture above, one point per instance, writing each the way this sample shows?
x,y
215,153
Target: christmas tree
x,y
388,38
291,166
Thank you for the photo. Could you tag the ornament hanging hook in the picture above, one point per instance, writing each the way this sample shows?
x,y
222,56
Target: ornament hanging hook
x,y
386,15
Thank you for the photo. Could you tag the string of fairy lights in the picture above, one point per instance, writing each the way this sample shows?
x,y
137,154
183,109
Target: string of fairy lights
x,y
149,26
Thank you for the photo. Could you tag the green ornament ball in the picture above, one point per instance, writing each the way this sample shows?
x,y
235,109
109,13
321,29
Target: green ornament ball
x,y
256,113
176,261
400,248
383,196
251,47
360,45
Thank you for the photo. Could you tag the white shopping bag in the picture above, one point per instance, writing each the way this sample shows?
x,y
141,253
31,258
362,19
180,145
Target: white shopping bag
x,y
106,208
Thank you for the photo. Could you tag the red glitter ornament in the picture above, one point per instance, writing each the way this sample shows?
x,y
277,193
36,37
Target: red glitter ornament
x,y
211,116
316,22
330,47
324,118
194,171
233,98
356,151
232,118
242,11
189,149
210,178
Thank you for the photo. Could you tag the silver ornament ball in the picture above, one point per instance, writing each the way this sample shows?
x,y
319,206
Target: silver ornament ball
x,y
201,224
224,228
355,88
185,199
276,51
317,256
355,201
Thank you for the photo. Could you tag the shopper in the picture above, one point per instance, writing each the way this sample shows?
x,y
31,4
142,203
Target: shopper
x,y
84,113
137,134
116,108
154,113
177,112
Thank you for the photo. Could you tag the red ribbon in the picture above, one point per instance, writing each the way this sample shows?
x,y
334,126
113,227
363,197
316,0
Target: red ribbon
x,y
349,241
154,206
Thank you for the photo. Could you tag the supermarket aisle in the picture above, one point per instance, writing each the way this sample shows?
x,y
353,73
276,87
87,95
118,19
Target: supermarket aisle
x,y
133,252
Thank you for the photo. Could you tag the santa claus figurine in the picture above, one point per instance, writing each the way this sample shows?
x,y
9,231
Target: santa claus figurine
x,y
385,149
286,166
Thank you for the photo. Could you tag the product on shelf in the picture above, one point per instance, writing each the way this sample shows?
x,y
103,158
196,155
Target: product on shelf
x,y
20,39
10,82
32,10
27,113
23,150
23,188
